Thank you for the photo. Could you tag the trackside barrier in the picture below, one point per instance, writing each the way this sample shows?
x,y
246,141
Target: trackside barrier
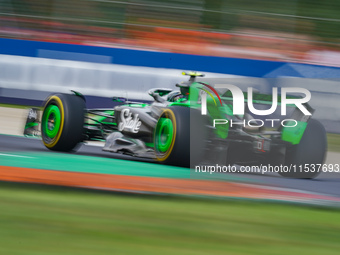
x,y
31,69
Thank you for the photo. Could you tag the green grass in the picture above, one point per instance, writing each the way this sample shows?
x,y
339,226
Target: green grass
x,y
41,220
18,106
333,142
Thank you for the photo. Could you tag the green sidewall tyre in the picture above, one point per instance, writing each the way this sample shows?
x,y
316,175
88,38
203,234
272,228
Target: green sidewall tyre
x,y
179,137
62,122
165,134
51,114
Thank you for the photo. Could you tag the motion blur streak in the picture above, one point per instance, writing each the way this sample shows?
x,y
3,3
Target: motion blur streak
x,y
123,48
297,30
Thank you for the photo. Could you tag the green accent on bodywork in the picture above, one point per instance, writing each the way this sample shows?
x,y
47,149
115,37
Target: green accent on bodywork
x,y
194,94
185,104
219,112
98,139
52,111
164,135
215,110
101,119
192,99
293,134
109,123
151,145
227,109
137,105
77,93
31,124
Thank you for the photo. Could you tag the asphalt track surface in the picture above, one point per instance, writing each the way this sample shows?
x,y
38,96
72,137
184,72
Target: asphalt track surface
x,y
325,183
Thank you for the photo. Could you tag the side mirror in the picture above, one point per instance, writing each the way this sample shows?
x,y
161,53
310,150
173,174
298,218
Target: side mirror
x,y
119,99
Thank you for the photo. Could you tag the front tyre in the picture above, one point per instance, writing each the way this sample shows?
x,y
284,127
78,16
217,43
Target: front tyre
x,y
62,122
179,136
310,151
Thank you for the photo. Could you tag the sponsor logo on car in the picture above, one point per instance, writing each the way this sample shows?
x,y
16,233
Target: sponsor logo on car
x,y
129,121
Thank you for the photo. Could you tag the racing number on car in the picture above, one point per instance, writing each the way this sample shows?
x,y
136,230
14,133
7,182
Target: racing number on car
x,y
261,145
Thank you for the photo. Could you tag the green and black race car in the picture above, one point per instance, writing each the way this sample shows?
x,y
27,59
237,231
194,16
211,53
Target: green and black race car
x,y
176,129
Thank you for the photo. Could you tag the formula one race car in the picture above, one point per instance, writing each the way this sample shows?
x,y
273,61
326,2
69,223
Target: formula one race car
x,y
183,128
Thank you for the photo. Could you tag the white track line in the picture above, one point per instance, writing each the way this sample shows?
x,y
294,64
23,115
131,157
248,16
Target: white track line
x,y
12,155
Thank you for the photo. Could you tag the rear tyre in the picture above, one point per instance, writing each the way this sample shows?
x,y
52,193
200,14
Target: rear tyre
x,y
311,151
179,136
62,122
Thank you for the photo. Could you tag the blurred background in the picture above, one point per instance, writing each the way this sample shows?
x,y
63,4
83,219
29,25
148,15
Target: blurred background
x,y
108,48
305,31
105,48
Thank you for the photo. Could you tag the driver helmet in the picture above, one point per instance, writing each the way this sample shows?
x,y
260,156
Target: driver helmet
x,y
174,96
